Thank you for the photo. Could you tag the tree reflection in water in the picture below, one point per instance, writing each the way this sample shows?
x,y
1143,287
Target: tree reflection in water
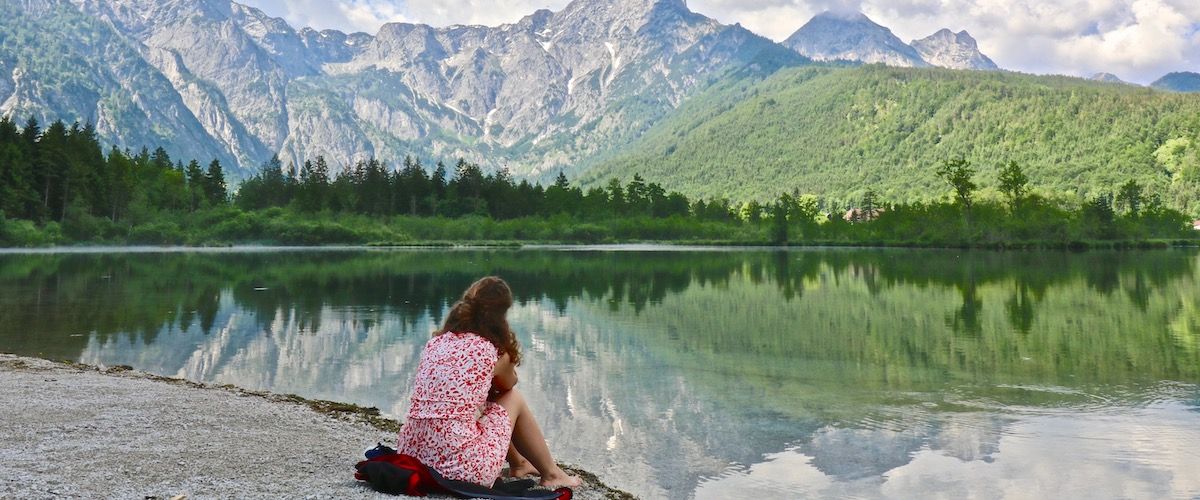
x,y
678,373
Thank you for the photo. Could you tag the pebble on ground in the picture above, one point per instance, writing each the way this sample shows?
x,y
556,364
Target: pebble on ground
x,y
71,431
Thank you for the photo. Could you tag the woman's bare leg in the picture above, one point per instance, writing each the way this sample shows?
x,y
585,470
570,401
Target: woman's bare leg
x,y
528,440
518,466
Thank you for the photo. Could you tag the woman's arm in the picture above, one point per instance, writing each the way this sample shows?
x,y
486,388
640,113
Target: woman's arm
x,y
505,377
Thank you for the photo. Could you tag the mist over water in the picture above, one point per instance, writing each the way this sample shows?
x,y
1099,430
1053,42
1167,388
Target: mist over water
x,y
706,374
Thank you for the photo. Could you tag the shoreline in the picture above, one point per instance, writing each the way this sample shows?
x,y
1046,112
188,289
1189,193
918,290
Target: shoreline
x,y
1082,246
82,431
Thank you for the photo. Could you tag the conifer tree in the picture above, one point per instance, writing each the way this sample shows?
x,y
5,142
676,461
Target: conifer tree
x,y
160,159
121,183
437,191
616,197
215,189
558,195
869,205
195,185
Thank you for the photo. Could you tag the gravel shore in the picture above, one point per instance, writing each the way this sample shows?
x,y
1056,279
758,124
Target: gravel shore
x,y
82,432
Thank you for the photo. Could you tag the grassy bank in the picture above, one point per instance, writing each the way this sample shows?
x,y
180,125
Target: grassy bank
x,y
229,225
225,226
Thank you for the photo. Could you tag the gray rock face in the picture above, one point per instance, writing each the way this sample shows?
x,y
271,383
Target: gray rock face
x,y
953,50
62,64
210,44
6,79
852,37
1107,78
552,90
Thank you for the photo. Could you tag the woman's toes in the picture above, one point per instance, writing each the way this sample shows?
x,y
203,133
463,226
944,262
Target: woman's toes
x,y
558,481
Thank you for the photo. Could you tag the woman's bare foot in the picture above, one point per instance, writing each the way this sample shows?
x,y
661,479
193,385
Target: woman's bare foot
x,y
522,469
558,479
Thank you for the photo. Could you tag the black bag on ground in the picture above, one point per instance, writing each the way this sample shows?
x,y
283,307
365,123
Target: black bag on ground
x,y
393,474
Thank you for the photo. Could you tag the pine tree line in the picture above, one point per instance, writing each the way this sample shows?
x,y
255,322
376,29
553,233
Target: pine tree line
x,y
61,173
371,188
57,185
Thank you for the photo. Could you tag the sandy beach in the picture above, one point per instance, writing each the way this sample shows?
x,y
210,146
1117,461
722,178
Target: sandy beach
x,y
78,431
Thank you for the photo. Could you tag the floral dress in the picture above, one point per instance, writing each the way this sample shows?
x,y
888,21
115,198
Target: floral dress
x,y
451,426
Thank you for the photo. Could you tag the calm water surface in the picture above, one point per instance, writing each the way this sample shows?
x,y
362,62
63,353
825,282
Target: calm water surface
x,y
703,373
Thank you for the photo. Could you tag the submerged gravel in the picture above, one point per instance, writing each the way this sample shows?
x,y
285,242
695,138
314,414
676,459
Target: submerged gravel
x,y
80,432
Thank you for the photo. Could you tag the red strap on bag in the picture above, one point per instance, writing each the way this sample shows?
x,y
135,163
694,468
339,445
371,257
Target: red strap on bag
x,y
424,480
420,483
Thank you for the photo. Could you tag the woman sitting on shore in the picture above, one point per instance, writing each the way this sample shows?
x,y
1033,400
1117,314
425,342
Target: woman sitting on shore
x,y
466,416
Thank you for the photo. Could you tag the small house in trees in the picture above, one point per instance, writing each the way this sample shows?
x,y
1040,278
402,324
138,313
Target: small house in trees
x,y
1196,225
862,215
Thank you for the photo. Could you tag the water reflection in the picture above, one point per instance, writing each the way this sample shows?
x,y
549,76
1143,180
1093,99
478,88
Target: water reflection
x,y
1130,455
680,374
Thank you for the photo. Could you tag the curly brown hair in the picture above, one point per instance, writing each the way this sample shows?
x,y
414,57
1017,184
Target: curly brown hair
x,y
481,311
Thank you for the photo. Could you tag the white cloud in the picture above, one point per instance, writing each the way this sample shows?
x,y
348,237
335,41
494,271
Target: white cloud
x,y
774,19
485,12
369,15
1133,453
1138,40
1157,38
344,15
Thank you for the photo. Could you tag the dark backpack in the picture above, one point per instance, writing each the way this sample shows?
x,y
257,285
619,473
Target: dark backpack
x,y
395,474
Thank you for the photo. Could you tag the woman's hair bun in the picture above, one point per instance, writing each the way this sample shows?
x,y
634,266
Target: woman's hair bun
x,y
465,307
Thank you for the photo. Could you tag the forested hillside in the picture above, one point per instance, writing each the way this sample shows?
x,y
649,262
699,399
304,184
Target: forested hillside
x,y
57,186
838,132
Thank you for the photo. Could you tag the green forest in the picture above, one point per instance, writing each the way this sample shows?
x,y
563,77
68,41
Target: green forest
x,y
58,186
838,132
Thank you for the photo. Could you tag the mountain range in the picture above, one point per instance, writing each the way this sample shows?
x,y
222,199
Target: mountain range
x,y
214,78
1182,81
218,79
852,36
574,90
832,36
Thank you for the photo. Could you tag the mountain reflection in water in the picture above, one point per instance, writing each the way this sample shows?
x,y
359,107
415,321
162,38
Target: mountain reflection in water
x,y
702,373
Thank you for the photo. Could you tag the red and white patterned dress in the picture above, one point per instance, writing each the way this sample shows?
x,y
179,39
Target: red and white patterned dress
x,y
451,426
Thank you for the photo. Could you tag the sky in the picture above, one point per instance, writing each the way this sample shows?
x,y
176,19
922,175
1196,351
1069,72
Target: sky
x,y
1137,40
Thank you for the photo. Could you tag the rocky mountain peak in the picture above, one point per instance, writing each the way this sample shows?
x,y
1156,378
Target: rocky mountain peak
x,y
552,90
844,15
618,15
948,49
624,5
538,19
1107,78
961,38
851,36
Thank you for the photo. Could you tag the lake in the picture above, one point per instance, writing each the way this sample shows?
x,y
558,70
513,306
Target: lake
x,y
701,373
